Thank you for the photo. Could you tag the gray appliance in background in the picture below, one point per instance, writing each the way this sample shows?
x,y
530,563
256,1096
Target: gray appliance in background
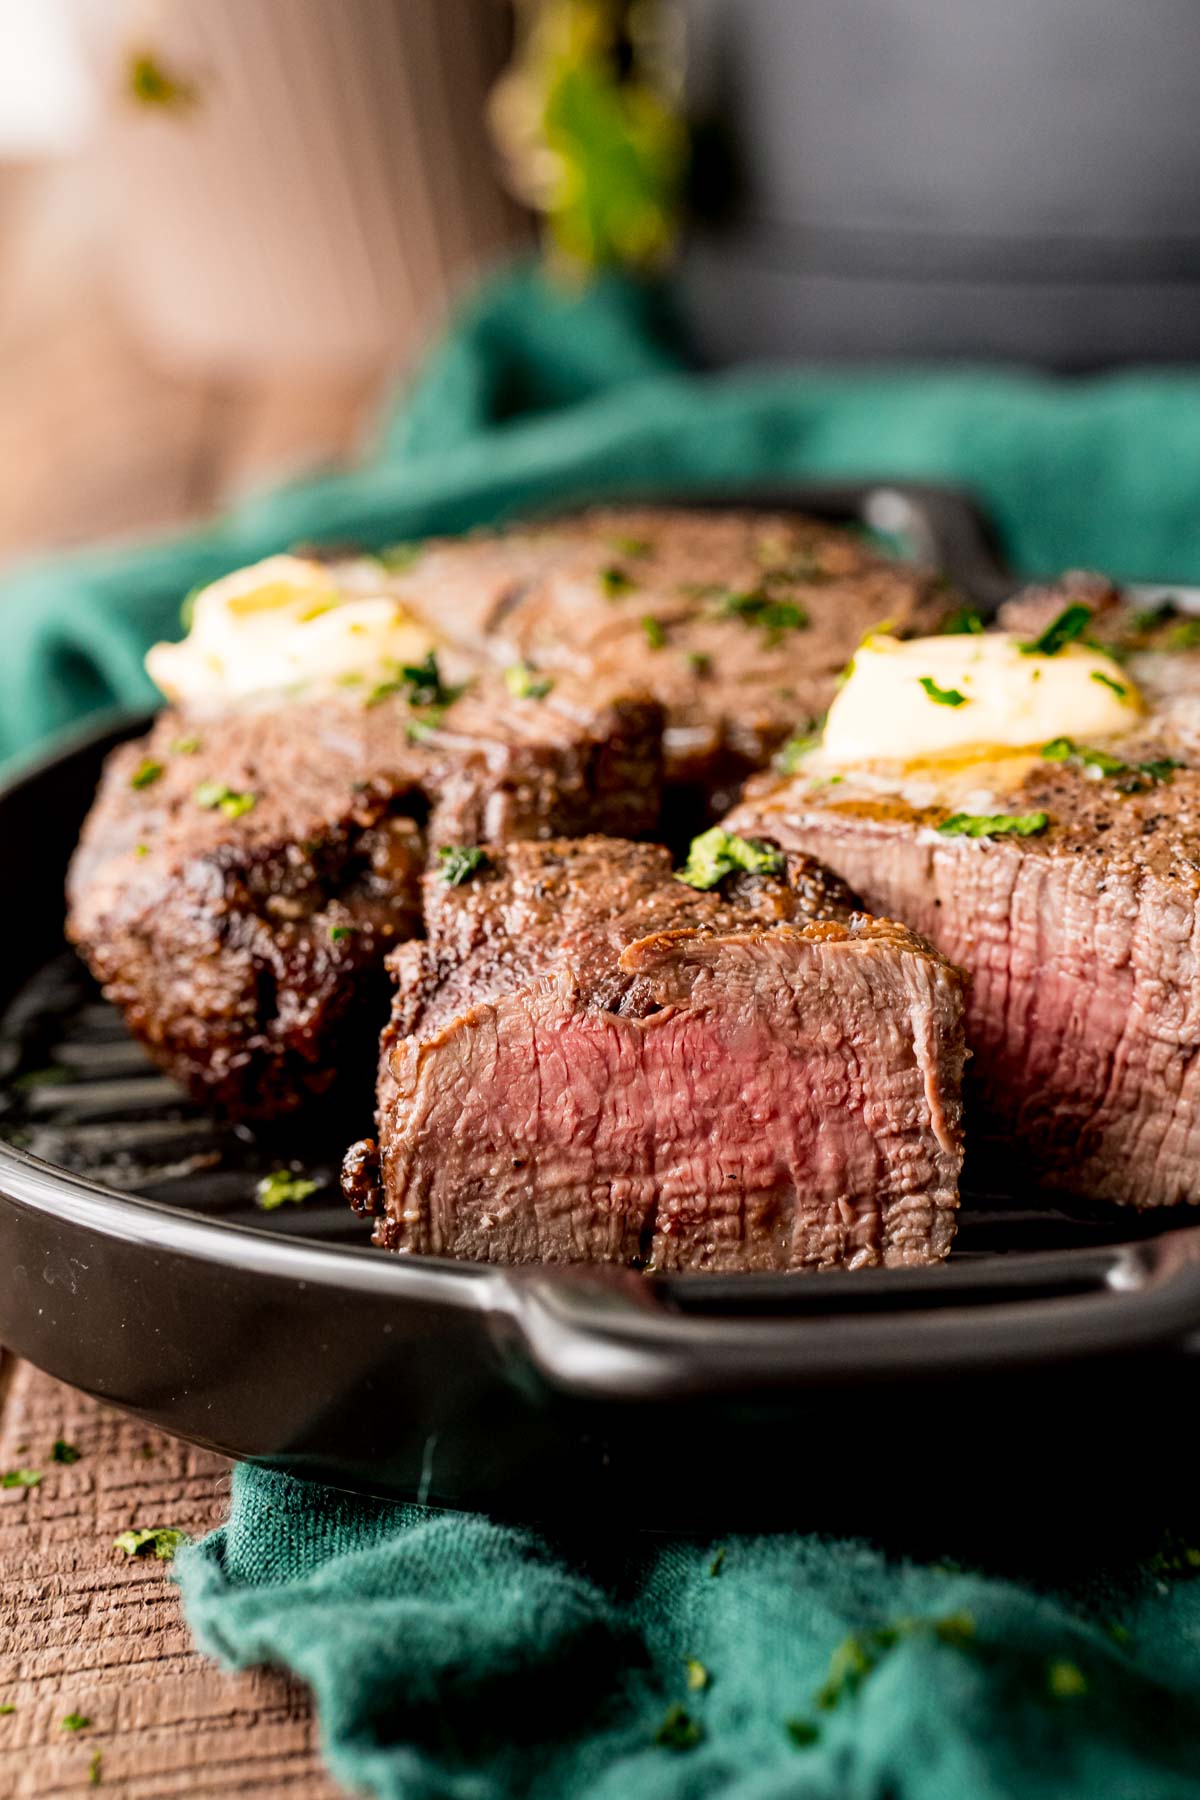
x,y
974,178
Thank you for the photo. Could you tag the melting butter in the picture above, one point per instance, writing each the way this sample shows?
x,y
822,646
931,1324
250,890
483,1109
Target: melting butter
x,y
286,622
963,698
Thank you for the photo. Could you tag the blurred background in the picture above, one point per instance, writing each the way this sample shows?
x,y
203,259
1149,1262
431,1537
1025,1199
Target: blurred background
x,y
228,228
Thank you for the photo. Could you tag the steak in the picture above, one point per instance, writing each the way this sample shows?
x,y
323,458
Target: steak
x,y
588,1060
738,622
1083,942
241,878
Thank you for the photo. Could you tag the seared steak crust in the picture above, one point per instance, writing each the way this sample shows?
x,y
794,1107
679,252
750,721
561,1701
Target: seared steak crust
x,y
240,878
751,616
589,1061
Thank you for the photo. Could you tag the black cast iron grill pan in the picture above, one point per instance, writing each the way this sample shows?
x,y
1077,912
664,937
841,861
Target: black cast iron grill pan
x,y
135,1264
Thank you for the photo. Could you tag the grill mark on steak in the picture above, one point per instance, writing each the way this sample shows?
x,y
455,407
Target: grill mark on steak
x,y
589,1060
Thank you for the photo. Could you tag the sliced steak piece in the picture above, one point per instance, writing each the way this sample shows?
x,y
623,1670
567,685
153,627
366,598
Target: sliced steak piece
x,y
739,622
241,878
589,1061
1083,941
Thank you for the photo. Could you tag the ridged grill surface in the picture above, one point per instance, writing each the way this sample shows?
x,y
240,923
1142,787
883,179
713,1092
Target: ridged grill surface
x,y
79,1093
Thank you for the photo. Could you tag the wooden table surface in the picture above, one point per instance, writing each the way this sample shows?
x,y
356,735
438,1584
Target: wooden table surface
x,y
95,442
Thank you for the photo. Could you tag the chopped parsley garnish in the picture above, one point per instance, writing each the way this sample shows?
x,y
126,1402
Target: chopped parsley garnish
x,y
425,684
1071,623
1066,1680
7,1708
1151,617
523,683
20,1478
282,1188
422,685
986,825
697,1675
458,862
1116,687
162,1540
1184,636
964,621
632,546
74,1722
214,796
791,755
396,558
1131,778
187,606
146,774
185,746
141,850
759,608
339,933
64,1452
654,631
614,582
716,853
802,1732
860,1654
95,1769
699,662
679,1731
939,695
718,1562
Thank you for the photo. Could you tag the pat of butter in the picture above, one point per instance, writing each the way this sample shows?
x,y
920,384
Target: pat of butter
x,y
286,622
937,697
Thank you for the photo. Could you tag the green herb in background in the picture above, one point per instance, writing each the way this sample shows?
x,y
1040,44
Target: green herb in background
x,y
161,1540
152,83
586,120
95,1768
282,1188
964,621
338,934
802,1732
1070,624
458,862
986,825
146,774
716,853
699,662
718,1562
20,1478
1066,1680
185,746
789,759
939,695
632,547
74,1722
63,1452
1151,617
654,631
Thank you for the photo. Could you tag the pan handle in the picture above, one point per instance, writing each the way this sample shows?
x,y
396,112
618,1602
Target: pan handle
x,y
612,1334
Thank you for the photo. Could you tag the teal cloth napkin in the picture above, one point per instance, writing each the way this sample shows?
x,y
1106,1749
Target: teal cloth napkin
x,y
453,1656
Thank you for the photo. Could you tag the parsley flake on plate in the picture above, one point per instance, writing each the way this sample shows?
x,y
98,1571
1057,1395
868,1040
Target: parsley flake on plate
x,y
654,631
64,1452
614,581
20,1478
74,1722
716,853
146,774
282,1188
